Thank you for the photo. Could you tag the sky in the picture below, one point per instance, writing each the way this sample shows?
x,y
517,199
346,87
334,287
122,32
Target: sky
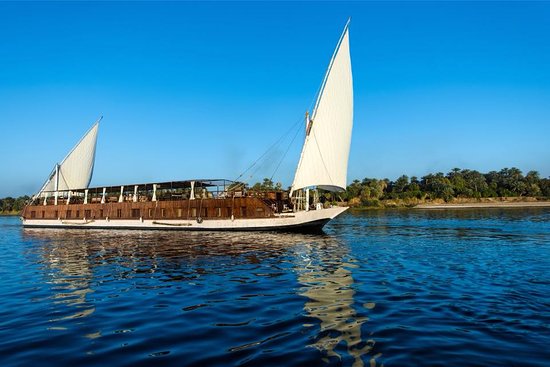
x,y
201,90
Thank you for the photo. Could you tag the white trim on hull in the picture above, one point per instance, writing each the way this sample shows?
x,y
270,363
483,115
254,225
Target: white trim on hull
x,y
304,220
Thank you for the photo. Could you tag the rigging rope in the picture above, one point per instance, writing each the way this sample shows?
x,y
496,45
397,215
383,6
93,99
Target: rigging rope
x,y
271,148
284,155
278,141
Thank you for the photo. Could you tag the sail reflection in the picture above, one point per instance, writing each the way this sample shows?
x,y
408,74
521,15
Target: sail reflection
x,y
328,284
69,274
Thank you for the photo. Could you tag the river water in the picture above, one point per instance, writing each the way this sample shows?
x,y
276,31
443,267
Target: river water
x,y
392,288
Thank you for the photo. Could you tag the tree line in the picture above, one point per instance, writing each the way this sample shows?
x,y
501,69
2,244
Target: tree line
x,y
458,183
13,205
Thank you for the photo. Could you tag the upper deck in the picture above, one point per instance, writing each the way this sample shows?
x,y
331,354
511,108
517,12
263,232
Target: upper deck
x,y
216,198
161,191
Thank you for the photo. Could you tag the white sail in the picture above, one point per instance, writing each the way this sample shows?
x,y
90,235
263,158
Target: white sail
x,y
324,159
75,171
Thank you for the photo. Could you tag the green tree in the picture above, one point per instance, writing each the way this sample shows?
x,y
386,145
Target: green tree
x,y
511,182
492,178
7,204
532,181
266,185
373,188
400,185
353,190
475,183
544,185
438,186
460,186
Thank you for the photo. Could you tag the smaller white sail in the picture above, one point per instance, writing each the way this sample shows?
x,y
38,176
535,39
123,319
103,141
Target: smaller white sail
x,y
324,159
75,171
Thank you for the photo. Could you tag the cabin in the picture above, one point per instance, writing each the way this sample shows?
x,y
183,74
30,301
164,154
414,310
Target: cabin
x,y
175,200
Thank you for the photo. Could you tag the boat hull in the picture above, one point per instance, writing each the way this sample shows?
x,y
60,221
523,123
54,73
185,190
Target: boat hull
x,y
305,221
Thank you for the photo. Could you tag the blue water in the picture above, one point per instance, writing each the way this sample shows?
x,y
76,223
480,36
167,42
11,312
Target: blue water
x,y
392,288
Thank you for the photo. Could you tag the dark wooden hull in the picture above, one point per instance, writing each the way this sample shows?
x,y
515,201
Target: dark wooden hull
x,y
205,209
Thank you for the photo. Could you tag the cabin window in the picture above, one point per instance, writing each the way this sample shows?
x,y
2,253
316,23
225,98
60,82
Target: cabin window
x,y
218,212
243,211
119,213
43,213
150,213
135,213
33,214
193,212
78,213
180,212
69,214
87,213
163,212
101,213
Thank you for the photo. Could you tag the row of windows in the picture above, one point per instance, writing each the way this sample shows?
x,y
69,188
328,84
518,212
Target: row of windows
x,y
136,213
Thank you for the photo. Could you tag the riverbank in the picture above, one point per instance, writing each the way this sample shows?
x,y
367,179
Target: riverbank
x,y
10,213
521,204
457,203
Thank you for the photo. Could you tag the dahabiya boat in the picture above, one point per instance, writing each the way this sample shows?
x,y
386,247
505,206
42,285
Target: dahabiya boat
x,y
66,200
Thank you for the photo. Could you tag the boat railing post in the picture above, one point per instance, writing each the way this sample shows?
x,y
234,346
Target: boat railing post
x,y
56,194
45,198
307,200
135,198
316,199
121,197
103,196
154,198
86,196
192,196
56,183
69,197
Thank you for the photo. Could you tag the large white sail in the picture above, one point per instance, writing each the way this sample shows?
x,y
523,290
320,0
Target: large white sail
x,y
75,171
324,159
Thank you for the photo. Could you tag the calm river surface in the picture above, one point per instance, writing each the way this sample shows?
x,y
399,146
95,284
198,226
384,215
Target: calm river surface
x,y
393,288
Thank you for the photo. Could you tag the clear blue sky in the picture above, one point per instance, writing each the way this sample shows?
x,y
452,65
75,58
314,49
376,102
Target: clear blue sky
x,y
200,90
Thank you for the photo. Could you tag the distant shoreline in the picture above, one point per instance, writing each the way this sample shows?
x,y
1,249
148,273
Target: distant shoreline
x,y
457,203
10,214
519,204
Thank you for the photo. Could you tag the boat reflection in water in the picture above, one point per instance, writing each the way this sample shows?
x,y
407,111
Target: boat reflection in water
x,y
329,286
80,263
68,272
